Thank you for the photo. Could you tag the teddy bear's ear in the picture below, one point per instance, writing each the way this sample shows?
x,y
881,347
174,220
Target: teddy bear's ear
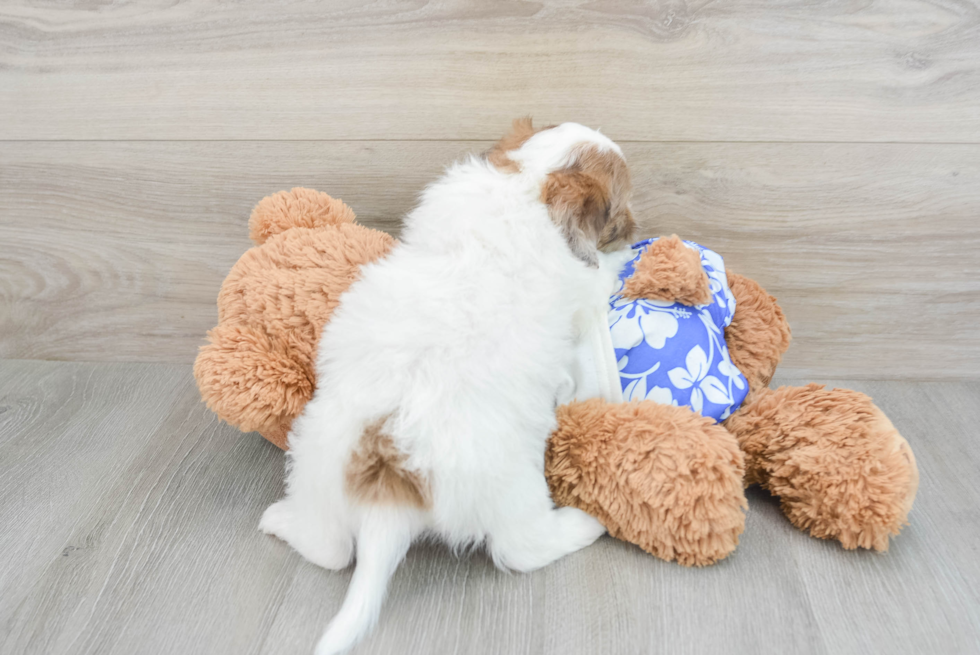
x,y
670,271
298,207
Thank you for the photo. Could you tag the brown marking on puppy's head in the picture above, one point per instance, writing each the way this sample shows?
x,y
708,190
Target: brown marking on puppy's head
x,y
376,472
521,130
589,202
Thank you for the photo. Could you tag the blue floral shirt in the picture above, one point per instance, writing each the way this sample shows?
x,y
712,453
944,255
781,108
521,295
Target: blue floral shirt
x,y
676,354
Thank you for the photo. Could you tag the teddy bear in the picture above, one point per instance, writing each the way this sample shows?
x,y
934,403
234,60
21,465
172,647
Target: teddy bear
x,y
657,474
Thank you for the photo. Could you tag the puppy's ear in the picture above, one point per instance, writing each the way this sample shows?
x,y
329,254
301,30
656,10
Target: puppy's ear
x,y
579,205
520,132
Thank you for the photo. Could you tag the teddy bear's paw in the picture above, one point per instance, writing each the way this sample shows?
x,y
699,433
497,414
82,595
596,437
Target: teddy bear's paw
x,y
659,476
839,467
308,535
862,504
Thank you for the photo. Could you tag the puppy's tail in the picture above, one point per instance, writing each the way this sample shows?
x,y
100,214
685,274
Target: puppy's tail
x,y
383,540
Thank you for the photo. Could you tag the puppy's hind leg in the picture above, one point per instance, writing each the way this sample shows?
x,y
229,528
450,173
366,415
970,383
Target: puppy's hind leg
x,y
313,517
533,533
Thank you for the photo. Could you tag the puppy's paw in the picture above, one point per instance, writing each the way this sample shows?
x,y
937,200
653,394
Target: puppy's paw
x,y
308,535
582,529
275,520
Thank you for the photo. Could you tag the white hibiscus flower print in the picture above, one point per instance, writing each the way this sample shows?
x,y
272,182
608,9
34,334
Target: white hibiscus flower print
x,y
637,390
709,258
729,370
662,396
654,327
696,375
652,337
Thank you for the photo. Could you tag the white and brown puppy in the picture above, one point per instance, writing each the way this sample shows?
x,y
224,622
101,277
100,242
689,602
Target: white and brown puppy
x,y
437,376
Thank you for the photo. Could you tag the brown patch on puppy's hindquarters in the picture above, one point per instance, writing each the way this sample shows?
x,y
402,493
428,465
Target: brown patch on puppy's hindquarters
x,y
376,472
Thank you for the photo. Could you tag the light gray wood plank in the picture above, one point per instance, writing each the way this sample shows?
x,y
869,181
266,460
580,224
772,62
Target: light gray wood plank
x,y
612,597
65,433
863,600
116,251
104,511
149,545
886,70
128,242
872,251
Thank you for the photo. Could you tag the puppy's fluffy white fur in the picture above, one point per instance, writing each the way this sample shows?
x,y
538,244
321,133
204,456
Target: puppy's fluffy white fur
x,y
462,336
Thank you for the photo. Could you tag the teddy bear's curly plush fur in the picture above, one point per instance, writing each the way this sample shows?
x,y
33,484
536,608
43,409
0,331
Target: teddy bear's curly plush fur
x,y
258,371
659,476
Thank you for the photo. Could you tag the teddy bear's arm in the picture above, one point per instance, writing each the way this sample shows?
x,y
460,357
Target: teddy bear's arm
x,y
669,271
759,333
658,476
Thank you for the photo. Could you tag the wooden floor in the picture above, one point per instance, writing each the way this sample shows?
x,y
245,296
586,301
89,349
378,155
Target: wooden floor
x,y
129,521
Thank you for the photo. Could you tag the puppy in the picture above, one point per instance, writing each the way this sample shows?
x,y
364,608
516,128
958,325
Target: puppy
x,y
437,376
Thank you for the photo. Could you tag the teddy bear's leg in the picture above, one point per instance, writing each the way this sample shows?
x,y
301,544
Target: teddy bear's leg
x,y
659,476
253,381
839,467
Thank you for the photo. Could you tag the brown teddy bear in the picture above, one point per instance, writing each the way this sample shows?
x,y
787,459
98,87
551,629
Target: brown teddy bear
x,y
660,476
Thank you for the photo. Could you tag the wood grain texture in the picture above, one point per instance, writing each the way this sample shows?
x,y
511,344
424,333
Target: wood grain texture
x,y
793,70
116,251
130,528
922,618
